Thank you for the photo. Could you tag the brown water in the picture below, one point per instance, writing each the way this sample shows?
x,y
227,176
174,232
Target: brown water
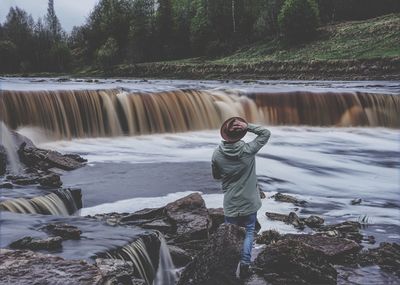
x,y
114,112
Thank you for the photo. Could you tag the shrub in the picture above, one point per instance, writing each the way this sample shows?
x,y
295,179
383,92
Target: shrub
x,y
8,57
298,20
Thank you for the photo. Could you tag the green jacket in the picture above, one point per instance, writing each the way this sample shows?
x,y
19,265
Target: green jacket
x,y
235,164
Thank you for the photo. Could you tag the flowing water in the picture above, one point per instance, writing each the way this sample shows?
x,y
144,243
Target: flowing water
x,y
151,142
7,141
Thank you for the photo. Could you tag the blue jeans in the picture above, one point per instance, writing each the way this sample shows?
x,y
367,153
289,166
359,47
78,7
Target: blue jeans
x,y
249,223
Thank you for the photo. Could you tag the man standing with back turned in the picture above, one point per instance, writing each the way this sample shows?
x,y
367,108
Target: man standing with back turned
x,y
234,163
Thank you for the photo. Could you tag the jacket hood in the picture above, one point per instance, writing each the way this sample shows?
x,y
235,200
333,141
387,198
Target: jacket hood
x,y
232,150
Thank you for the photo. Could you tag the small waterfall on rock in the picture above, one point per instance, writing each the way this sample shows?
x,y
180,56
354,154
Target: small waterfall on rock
x,y
166,273
151,259
7,142
136,252
114,112
59,203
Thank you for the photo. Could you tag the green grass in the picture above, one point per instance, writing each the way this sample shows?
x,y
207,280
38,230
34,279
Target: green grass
x,y
373,38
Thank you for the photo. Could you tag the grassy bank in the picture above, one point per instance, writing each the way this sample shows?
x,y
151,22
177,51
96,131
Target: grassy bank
x,y
367,49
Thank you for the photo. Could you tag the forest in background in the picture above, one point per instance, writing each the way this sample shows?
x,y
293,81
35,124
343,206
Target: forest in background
x,y
135,31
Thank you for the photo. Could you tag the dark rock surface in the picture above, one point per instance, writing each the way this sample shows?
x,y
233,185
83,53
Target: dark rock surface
x,y
51,243
64,231
268,237
291,261
6,185
190,217
217,217
314,221
51,180
27,267
117,271
45,159
291,219
217,262
387,256
179,256
349,230
288,199
3,161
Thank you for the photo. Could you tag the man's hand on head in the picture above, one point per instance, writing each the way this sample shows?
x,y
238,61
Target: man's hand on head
x,y
238,126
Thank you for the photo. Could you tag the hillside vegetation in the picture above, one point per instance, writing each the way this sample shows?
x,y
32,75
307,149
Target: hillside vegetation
x,y
373,38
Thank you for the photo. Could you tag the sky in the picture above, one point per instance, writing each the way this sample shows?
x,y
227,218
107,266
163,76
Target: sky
x,y
69,12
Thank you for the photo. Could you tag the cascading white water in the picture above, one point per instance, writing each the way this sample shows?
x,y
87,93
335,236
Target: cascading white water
x,y
7,141
166,272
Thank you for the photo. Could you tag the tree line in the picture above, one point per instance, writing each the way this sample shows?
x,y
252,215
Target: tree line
x,y
134,31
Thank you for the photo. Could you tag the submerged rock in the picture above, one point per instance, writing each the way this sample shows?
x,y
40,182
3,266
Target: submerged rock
x,y
356,201
217,262
288,199
6,185
27,267
51,243
65,231
190,217
291,261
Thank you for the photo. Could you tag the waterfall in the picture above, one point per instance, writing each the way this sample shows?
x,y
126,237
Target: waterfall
x,y
8,143
140,254
166,273
114,112
59,203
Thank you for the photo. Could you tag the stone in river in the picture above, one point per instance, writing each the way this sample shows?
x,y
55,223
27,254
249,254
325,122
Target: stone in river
x,y
65,231
288,199
292,219
51,180
190,217
314,221
51,243
179,256
6,185
117,271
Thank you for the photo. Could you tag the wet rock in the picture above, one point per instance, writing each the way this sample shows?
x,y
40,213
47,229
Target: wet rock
x,y
6,185
51,181
51,243
356,201
75,157
45,159
293,262
288,199
314,221
145,214
22,180
117,271
64,231
217,262
179,256
267,237
190,217
217,217
161,225
387,256
24,267
262,195
292,219
332,248
349,230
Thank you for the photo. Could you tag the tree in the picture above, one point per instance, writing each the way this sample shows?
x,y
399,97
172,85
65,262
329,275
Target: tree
x,y
164,24
107,54
298,20
52,22
8,57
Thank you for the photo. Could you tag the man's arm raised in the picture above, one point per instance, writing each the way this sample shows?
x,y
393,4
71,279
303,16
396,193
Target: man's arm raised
x,y
263,135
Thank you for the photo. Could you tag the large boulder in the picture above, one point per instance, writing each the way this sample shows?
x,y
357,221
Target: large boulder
x,y
117,271
65,231
190,217
290,261
387,256
217,262
27,267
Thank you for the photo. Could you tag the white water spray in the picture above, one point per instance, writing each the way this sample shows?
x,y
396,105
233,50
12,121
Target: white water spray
x,y
7,141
